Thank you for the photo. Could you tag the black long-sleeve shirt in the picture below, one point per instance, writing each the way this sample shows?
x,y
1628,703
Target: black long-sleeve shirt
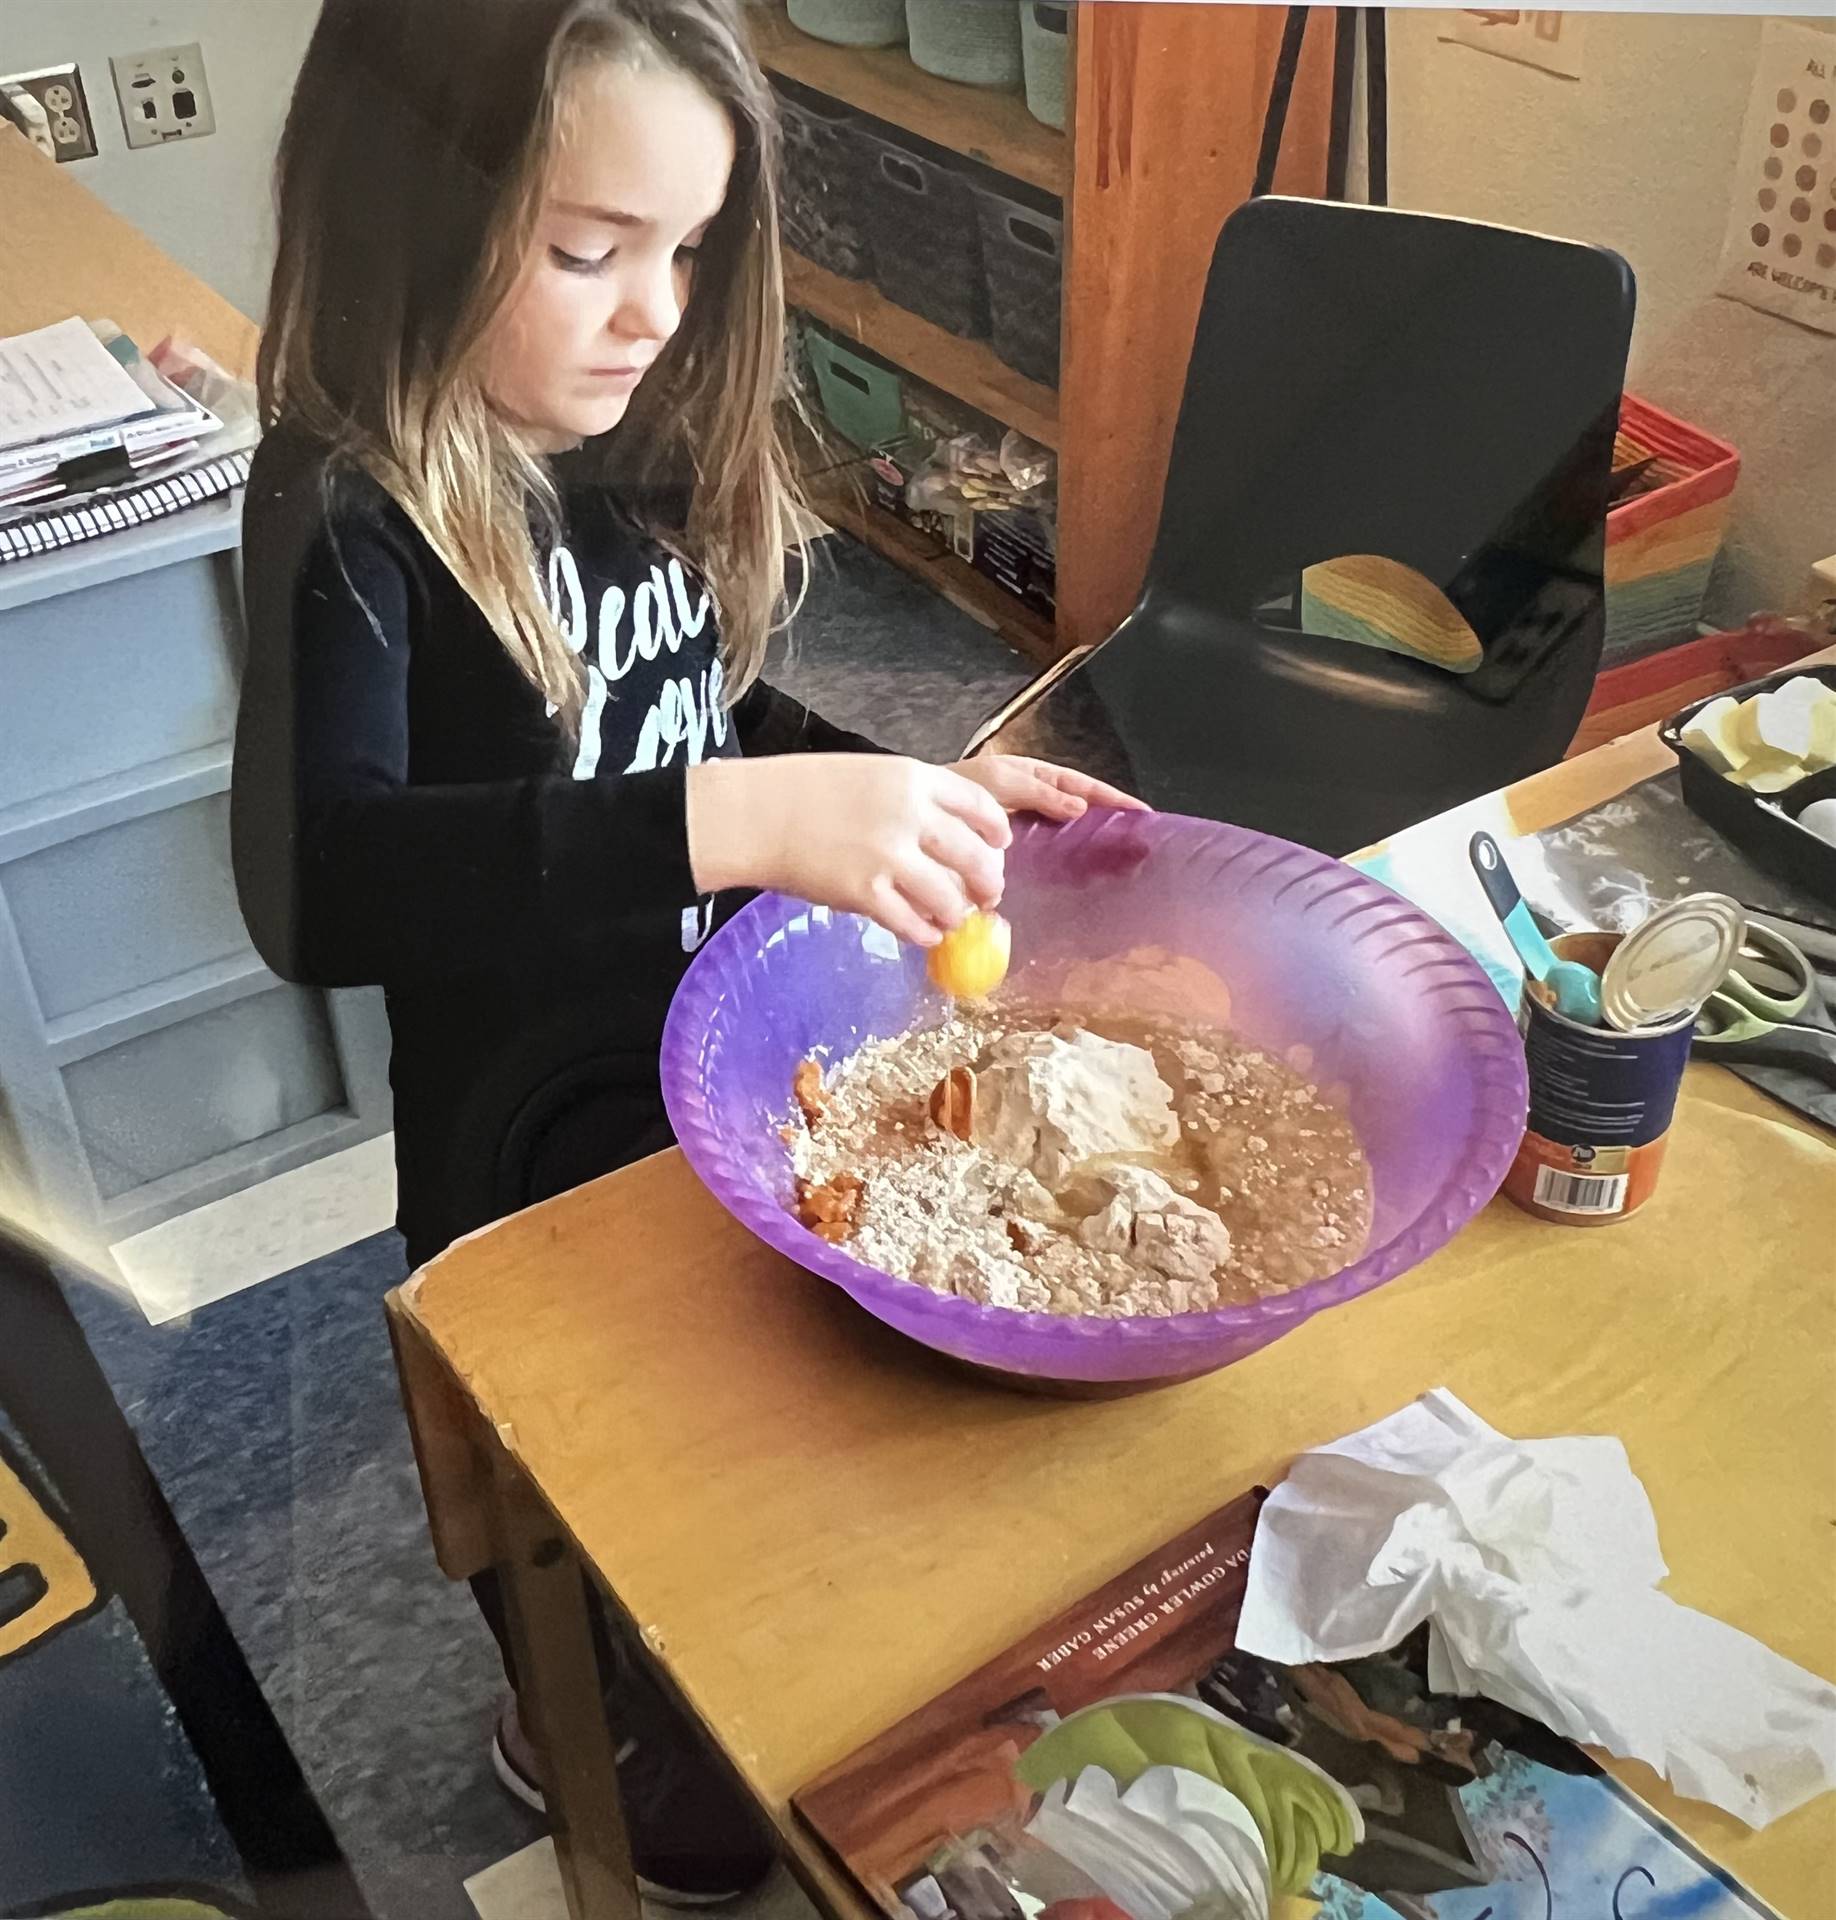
x,y
406,812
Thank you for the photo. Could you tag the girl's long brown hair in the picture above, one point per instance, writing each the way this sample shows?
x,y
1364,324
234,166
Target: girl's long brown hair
x,y
410,175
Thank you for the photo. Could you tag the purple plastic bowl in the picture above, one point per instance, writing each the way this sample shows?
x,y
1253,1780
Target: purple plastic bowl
x,y
1313,952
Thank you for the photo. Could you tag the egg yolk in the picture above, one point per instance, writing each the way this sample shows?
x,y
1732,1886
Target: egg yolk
x,y
972,961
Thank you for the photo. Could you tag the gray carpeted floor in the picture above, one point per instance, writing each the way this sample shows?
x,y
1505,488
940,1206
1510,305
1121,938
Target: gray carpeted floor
x,y
273,1423
874,650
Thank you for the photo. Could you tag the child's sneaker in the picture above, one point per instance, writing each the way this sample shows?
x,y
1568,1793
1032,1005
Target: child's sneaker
x,y
514,1759
695,1840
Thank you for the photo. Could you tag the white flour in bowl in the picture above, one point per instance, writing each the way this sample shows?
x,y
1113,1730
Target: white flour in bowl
x,y
1091,1166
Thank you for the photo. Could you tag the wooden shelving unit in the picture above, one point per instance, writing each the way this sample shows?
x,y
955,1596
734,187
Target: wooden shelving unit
x,y
1146,182
965,369
838,502
994,128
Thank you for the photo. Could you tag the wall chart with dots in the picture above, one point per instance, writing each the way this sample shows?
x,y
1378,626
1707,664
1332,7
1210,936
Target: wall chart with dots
x,y
1780,253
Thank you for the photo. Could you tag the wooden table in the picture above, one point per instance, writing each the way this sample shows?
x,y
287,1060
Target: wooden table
x,y
86,259
815,1527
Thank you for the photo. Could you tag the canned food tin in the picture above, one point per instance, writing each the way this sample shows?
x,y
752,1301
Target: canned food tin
x,y
1601,1102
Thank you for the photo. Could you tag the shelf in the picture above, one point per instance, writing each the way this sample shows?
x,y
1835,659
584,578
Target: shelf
x,y
164,1003
993,128
966,369
1024,630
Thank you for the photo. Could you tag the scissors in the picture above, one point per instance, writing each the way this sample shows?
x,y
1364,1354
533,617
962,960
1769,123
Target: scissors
x,y
1752,1016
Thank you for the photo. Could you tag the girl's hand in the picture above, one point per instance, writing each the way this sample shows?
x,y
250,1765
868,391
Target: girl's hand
x,y
911,846
1036,786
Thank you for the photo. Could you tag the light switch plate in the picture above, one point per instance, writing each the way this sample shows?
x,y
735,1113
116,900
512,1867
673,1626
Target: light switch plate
x,y
164,95
63,119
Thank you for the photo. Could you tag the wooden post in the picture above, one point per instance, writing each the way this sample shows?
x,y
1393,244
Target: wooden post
x,y
1169,109
559,1690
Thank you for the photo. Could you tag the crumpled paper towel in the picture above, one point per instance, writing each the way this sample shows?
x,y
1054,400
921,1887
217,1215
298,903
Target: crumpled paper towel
x,y
1537,1564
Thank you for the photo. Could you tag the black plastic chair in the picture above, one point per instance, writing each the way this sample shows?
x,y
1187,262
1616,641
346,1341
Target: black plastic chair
x,y
53,1391
1363,381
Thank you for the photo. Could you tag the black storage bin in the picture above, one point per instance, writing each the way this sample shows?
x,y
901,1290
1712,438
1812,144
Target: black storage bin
x,y
1023,254
928,243
822,199
1771,834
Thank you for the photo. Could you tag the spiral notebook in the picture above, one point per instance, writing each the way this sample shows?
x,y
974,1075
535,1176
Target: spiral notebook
x,y
55,527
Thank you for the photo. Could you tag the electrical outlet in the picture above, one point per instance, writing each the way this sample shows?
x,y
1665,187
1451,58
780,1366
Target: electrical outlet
x,y
163,95
66,123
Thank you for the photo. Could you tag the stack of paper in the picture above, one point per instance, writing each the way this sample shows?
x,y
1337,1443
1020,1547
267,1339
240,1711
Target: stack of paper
x,y
81,412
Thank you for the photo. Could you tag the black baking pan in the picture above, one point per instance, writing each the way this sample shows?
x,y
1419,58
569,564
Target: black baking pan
x,y
1763,826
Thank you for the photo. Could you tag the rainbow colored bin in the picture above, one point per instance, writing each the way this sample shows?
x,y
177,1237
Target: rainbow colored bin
x,y
1660,550
1661,546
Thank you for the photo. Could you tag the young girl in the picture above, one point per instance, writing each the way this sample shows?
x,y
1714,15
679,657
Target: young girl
x,y
514,545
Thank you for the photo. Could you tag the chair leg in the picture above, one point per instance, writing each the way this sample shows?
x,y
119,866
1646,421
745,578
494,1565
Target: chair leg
x,y
1281,90
1377,106
1035,690
1344,72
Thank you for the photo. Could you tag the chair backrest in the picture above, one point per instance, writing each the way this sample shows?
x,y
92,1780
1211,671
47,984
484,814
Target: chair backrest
x,y
1428,402
1369,381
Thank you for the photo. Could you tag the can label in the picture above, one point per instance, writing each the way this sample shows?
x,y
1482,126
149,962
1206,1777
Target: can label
x,y
1601,1103
1583,1182
1591,1086
1581,1192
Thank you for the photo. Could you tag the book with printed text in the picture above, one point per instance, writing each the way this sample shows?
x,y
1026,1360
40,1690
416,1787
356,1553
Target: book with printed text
x,y
1126,1762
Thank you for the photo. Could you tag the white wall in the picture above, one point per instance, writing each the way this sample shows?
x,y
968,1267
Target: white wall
x,y
207,202
1639,154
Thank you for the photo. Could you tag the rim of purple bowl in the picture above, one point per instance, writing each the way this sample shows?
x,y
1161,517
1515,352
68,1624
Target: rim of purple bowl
x,y
1500,1090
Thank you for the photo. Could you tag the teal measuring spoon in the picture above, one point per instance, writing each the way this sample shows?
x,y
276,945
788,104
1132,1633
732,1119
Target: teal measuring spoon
x,y
1576,988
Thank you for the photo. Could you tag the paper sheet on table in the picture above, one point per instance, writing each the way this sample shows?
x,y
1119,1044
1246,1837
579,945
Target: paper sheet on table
x,y
61,379
1431,870
1536,1563
1616,864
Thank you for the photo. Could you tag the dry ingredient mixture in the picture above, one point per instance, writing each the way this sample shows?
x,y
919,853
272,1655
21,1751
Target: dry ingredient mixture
x,y
1095,1165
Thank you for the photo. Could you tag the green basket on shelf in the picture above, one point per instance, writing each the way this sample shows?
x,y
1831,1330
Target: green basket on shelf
x,y
851,23
1045,36
862,396
976,42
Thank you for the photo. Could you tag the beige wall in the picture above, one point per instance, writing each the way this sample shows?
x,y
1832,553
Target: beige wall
x,y
206,202
1639,154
